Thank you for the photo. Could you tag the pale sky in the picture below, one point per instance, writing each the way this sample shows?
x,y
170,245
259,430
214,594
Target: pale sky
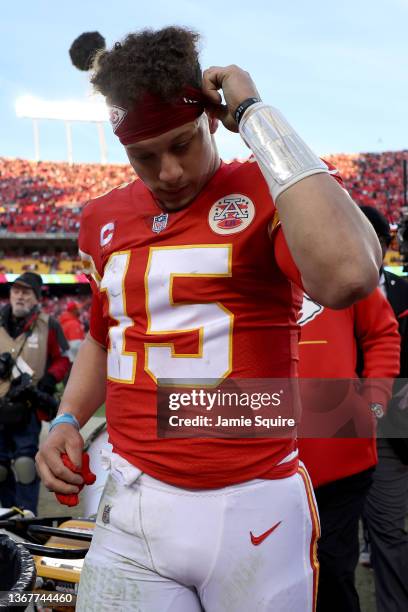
x,y
338,71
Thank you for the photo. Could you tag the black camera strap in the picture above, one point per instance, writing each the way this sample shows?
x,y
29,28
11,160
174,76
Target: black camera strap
x,y
27,330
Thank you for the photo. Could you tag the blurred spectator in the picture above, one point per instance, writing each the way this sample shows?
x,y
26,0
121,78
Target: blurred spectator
x,y
72,327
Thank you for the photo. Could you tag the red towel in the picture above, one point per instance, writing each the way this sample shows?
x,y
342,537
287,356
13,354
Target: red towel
x,y
89,478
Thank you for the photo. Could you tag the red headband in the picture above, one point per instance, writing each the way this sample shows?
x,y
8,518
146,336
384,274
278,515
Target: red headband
x,y
151,116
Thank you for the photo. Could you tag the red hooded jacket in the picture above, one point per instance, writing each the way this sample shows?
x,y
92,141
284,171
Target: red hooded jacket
x,y
71,326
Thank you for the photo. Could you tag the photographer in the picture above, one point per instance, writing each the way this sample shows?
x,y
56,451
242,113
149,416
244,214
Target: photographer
x,y
32,361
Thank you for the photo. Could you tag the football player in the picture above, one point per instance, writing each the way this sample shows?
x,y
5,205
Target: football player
x,y
197,271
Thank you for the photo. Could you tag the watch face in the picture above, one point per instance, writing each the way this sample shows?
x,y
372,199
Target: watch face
x,y
378,410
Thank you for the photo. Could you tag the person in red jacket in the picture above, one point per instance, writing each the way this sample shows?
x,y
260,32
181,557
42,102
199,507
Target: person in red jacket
x,y
340,468
72,327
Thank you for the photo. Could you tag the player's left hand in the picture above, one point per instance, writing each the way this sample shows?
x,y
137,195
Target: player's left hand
x,y
236,84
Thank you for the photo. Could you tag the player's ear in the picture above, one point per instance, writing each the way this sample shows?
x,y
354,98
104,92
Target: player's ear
x,y
213,122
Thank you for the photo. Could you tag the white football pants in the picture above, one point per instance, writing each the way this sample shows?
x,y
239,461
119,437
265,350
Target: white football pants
x,y
159,548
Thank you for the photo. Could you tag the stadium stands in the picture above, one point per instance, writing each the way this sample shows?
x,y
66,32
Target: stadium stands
x,y
46,197
374,179
55,263
32,193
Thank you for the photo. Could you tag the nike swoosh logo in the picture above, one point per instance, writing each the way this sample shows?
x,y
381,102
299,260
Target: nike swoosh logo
x,y
256,540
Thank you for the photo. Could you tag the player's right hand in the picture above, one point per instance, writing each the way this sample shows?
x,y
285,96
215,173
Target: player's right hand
x,y
54,474
236,85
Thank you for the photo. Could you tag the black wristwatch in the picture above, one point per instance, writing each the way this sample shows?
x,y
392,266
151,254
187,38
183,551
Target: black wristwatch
x,y
241,108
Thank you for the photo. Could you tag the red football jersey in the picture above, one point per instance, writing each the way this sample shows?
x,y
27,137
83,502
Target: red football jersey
x,y
195,293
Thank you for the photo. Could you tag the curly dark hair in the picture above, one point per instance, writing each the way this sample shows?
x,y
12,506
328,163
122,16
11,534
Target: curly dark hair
x,y
160,62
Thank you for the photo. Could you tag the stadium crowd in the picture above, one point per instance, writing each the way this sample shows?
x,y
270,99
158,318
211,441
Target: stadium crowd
x,y
374,179
32,193
52,262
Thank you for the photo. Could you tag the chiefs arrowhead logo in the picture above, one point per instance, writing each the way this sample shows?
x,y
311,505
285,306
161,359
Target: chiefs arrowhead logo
x,y
309,311
116,116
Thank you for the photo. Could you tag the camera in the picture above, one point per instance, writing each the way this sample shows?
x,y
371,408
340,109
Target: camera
x,y
48,403
22,398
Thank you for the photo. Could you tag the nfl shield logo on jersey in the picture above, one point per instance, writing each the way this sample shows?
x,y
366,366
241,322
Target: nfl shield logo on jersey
x,y
231,214
160,222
